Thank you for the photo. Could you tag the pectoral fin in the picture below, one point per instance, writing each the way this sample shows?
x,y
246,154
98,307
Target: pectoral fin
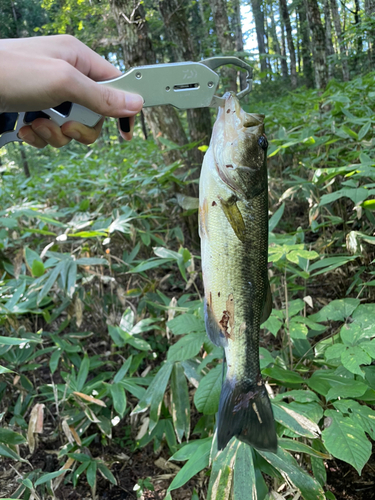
x,y
267,309
214,332
234,216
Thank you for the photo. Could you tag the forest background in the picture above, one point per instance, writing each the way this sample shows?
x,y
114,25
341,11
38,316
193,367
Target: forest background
x,y
109,385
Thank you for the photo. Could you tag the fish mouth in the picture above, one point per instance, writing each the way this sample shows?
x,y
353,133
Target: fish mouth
x,y
235,118
237,152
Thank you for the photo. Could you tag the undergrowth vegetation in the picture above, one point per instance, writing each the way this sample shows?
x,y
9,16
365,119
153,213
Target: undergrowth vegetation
x,y
103,343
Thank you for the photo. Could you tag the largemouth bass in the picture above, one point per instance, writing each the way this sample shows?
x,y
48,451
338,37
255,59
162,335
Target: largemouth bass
x,y
233,227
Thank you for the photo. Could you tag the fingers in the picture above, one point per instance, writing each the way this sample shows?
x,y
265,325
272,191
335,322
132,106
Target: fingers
x,y
99,98
84,59
42,132
81,133
27,134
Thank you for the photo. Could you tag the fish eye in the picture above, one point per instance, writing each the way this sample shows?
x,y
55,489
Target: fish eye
x,y
263,143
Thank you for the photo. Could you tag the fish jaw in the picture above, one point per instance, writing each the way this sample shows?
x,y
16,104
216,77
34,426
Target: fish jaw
x,y
241,164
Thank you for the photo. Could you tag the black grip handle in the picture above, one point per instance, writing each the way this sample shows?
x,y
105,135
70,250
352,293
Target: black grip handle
x,y
125,124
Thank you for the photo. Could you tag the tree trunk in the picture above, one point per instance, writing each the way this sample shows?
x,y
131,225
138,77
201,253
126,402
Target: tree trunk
x,y
258,15
289,37
357,21
342,47
138,51
370,13
306,51
329,46
283,50
176,25
238,38
226,42
284,65
318,43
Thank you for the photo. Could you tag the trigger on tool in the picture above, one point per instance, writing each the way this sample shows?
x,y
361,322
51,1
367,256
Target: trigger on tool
x,y
125,124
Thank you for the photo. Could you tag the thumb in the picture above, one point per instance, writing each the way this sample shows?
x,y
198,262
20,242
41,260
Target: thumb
x,y
104,100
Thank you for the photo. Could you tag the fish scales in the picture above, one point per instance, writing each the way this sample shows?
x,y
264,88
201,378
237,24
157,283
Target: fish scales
x,y
233,226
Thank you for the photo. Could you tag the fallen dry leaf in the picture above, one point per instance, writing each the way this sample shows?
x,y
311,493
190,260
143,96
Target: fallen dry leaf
x,y
90,399
35,426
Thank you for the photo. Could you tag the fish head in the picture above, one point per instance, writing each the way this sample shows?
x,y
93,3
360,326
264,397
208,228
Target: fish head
x,y
240,148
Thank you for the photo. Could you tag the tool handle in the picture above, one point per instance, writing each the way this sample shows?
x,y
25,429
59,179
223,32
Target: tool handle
x,y
10,123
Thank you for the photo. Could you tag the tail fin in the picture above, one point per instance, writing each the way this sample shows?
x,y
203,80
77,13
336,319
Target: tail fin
x,y
245,412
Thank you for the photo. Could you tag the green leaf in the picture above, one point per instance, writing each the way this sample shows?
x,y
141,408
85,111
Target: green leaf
x,y
5,370
349,132
282,461
364,130
353,357
275,219
91,261
188,450
345,440
180,404
51,278
54,360
37,268
155,392
286,376
328,264
334,351
30,257
298,447
8,436
12,341
244,474
297,330
352,333
9,453
106,472
336,310
149,264
206,398
299,395
294,307
119,398
83,372
265,358
294,421
127,320
346,389
121,338
221,478
369,348
197,462
187,347
273,324
123,370
48,477
91,474
332,386
79,471
186,323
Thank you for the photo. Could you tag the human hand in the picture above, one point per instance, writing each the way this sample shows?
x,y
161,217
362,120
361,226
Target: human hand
x,y
42,72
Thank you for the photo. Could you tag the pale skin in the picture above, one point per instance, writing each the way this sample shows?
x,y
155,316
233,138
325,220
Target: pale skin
x,y
42,72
